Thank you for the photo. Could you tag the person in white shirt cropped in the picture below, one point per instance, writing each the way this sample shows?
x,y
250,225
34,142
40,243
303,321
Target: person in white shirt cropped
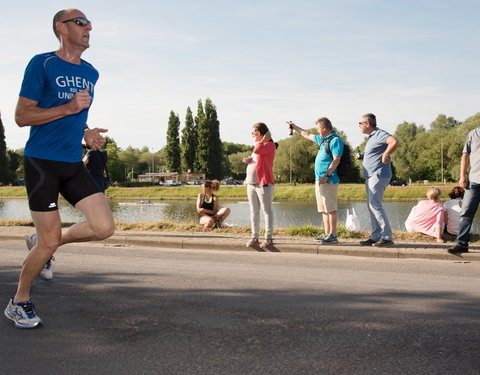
x,y
452,210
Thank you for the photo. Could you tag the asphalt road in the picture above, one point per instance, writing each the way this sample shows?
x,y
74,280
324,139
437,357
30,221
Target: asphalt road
x,y
117,310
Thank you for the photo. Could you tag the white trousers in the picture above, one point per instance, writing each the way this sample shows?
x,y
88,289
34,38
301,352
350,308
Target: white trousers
x,y
261,197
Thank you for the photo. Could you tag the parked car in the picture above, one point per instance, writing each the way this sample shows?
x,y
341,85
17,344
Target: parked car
x,y
398,182
232,182
172,183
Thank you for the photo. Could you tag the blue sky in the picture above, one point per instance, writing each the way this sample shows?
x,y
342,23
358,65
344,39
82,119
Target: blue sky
x,y
268,61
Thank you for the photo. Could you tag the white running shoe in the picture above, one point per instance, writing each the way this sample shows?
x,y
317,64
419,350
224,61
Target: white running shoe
x,y
22,314
47,272
31,241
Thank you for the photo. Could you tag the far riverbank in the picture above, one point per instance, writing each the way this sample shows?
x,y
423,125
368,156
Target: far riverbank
x,y
299,192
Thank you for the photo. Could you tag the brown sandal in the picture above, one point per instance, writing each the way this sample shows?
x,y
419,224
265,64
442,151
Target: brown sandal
x,y
266,243
252,242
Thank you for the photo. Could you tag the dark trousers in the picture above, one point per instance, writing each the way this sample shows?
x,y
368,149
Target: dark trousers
x,y
470,202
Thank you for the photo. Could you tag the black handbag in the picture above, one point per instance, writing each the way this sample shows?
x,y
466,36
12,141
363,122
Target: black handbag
x,y
107,183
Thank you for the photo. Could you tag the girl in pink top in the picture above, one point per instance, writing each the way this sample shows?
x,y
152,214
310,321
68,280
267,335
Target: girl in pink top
x,y
265,150
260,184
427,216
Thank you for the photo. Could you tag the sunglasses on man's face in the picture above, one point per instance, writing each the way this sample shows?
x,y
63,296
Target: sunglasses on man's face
x,y
80,21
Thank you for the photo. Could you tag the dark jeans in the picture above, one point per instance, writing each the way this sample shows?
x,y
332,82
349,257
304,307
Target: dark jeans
x,y
471,199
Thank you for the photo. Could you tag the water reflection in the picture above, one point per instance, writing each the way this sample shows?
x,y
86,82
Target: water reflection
x,y
286,213
183,213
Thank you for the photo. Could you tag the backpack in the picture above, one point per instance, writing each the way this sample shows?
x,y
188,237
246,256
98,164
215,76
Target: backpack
x,y
343,169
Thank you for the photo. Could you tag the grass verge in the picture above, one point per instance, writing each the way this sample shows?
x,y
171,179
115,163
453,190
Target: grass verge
x,y
293,231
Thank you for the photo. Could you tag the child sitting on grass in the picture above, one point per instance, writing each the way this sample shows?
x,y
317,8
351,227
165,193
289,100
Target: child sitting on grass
x,y
427,216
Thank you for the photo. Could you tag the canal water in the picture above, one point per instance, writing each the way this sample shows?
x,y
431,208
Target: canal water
x,y
286,213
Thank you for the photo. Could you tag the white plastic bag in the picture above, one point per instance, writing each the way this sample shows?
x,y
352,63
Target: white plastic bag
x,y
352,222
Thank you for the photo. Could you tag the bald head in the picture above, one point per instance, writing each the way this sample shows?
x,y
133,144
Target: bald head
x,y
61,16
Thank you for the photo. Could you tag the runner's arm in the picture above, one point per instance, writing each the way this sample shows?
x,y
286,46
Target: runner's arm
x,y
28,113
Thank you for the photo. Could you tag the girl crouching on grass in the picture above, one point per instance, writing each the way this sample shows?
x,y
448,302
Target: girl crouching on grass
x,y
207,205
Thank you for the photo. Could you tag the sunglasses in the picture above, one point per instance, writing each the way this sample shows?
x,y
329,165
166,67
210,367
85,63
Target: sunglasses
x,y
80,21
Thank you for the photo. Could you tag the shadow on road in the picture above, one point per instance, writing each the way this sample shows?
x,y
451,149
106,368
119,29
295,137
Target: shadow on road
x,y
108,323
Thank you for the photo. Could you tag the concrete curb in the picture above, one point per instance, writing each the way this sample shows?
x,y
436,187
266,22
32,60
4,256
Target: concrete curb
x,y
216,241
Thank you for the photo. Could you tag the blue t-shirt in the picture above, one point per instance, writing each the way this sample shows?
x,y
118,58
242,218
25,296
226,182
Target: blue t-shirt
x,y
372,155
323,159
51,82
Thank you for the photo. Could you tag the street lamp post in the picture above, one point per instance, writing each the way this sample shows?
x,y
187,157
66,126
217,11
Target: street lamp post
x,y
290,154
441,158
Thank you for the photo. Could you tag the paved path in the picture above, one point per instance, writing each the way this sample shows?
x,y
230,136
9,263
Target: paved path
x,y
218,241
152,310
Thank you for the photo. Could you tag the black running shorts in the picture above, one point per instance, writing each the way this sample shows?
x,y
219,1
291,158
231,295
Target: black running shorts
x,y
44,179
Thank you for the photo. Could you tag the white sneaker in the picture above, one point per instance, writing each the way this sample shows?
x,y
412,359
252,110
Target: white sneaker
x,y
47,272
31,240
22,314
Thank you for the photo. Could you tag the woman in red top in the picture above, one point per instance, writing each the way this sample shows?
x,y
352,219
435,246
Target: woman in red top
x,y
260,183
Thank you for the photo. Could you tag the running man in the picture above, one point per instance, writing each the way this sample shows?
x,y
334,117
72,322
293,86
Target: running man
x,y
55,96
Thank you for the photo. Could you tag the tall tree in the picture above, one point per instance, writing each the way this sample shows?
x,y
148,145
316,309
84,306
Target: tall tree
x,y
189,142
14,162
216,160
172,149
4,163
203,142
